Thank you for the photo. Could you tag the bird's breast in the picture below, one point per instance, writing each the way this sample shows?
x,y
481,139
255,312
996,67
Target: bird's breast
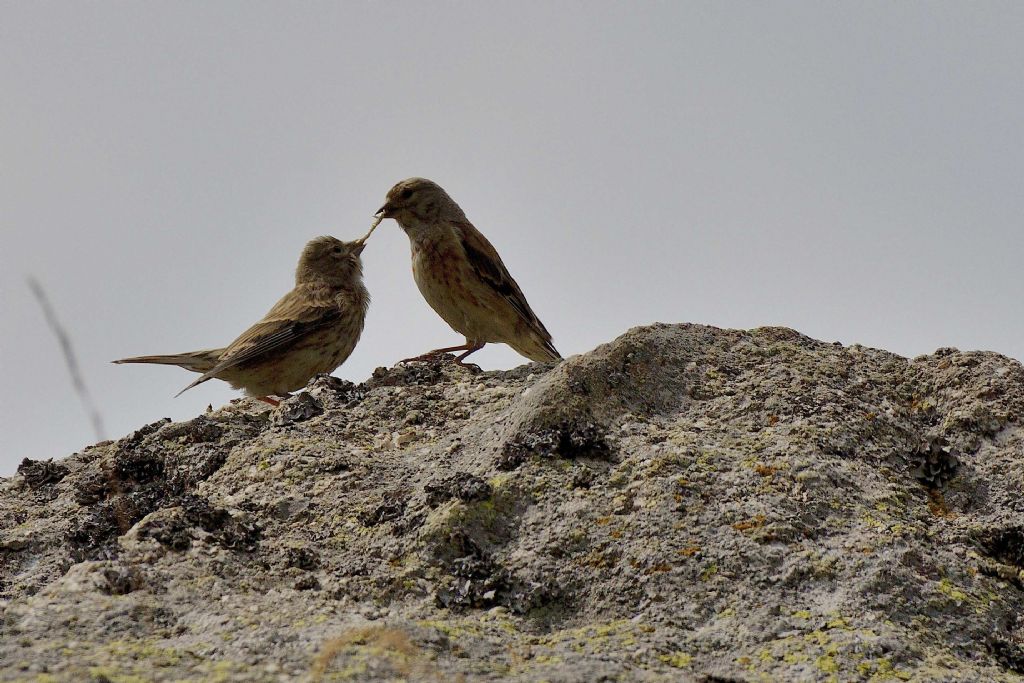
x,y
450,286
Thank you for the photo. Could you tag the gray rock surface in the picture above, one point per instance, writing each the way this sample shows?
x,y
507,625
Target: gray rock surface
x,y
683,504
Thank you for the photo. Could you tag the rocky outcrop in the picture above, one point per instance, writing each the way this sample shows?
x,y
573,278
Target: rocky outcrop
x,y
683,504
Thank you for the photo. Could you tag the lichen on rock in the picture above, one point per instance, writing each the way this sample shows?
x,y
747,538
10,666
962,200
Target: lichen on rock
x,y
684,503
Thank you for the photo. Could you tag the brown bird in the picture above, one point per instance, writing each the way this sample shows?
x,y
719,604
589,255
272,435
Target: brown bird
x,y
461,275
311,330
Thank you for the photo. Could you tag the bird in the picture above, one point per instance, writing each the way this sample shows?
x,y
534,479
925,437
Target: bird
x,y
311,330
462,277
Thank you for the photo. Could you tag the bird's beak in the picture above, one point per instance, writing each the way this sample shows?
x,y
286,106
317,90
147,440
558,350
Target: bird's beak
x,y
360,245
385,211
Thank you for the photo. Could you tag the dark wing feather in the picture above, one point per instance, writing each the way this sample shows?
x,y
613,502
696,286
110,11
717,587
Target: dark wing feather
x,y
288,321
484,259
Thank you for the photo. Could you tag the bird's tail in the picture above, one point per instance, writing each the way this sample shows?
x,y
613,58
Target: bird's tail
x,y
196,361
537,348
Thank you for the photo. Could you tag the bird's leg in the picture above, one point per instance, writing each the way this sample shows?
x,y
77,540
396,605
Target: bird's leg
x,y
473,348
468,347
267,399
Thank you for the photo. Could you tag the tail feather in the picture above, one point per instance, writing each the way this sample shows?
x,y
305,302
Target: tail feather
x,y
536,348
198,381
550,348
196,361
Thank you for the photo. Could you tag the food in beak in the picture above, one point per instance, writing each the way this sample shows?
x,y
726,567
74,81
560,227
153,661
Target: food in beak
x,y
376,222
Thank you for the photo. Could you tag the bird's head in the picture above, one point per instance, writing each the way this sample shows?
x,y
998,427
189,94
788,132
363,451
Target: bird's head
x,y
329,259
417,201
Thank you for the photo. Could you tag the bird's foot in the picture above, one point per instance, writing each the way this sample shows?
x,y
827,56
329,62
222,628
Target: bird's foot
x,y
436,355
444,355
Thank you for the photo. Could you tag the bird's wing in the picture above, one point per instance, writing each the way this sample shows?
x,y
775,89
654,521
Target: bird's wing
x,y
489,267
291,318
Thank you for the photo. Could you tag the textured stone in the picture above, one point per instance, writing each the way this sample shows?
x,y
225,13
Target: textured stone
x,y
682,504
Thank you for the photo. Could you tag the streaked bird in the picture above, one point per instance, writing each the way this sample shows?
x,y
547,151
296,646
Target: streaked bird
x,y
311,330
461,275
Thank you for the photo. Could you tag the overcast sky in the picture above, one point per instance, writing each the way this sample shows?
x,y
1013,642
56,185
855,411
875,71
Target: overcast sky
x,y
851,170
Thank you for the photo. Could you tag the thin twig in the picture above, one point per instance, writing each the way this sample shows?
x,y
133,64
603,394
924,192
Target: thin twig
x,y
69,358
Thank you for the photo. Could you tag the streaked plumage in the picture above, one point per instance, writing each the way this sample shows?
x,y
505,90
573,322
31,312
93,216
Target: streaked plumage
x,y
462,276
311,330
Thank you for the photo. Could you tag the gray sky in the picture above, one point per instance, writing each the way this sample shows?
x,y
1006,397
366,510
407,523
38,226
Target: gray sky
x,y
852,170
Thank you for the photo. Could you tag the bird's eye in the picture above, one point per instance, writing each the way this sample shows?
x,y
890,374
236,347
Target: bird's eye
x,y
336,250
406,193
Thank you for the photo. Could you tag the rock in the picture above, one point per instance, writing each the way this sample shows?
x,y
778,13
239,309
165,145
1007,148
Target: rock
x,y
682,504
297,408
38,473
461,485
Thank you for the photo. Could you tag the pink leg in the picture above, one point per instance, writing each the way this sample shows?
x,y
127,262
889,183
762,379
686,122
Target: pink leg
x,y
267,399
473,348
468,347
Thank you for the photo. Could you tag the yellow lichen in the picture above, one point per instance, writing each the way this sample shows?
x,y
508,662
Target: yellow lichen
x,y
819,637
709,572
679,660
827,663
880,670
947,588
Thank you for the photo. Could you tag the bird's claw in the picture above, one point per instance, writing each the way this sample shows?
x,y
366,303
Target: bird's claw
x,y
443,357
429,356
472,367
